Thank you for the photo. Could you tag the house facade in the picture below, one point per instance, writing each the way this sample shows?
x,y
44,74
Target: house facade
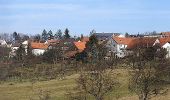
x,y
38,48
164,42
3,43
167,47
119,45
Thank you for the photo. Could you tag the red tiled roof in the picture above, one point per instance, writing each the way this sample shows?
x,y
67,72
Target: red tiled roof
x,y
123,40
165,33
36,45
132,42
164,40
141,42
80,45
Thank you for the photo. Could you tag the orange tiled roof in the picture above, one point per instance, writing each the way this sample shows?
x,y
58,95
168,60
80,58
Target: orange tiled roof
x,y
132,42
36,45
164,40
141,42
123,40
165,33
80,45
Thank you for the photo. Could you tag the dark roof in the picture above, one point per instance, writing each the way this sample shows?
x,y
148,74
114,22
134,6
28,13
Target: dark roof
x,y
105,35
16,44
68,40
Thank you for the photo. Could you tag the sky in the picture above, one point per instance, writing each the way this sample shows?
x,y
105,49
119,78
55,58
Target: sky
x,y
82,16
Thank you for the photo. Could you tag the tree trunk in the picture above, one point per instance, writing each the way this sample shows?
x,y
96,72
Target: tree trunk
x,y
99,98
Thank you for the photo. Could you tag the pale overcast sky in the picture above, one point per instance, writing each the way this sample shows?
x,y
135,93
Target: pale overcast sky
x,y
81,16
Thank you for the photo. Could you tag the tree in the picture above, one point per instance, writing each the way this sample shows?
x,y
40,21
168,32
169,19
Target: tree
x,y
92,32
58,34
25,37
4,53
53,54
148,76
81,37
50,35
37,38
126,34
16,36
97,83
21,55
92,47
44,35
66,34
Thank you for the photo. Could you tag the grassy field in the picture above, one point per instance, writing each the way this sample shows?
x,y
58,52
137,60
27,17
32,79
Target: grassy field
x,y
56,89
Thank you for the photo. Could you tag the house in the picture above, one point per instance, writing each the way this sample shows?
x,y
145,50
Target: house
x,y
80,46
123,46
3,43
164,42
117,45
67,44
9,44
38,48
167,47
14,48
165,34
105,36
52,41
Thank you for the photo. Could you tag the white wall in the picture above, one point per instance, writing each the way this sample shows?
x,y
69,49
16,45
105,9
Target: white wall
x,y
119,49
38,52
167,47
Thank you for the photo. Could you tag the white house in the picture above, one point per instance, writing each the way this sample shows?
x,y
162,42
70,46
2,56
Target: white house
x,y
14,48
164,42
122,46
118,45
3,43
38,48
167,47
25,45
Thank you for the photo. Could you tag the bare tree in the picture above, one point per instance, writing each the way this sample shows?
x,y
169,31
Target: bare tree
x,y
97,83
148,78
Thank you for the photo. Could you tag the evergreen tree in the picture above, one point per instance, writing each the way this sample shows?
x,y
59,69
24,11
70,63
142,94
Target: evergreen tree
x,y
44,35
92,47
16,36
50,35
81,36
37,38
66,35
20,53
92,32
58,34
126,34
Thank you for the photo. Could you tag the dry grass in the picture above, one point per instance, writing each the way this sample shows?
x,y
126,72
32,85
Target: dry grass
x,y
58,88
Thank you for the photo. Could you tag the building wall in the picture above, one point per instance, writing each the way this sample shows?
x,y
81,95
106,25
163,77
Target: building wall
x,y
38,52
167,47
118,49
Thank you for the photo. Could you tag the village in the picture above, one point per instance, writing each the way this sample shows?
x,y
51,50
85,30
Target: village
x,y
100,66
120,45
